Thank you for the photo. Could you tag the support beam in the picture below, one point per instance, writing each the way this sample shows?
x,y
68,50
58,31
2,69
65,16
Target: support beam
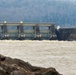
x,y
21,34
4,31
52,33
37,32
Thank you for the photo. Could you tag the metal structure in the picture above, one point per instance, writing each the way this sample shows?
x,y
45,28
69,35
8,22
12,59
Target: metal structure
x,y
33,31
66,34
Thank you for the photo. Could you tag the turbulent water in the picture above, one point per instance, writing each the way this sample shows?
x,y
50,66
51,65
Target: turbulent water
x,y
58,54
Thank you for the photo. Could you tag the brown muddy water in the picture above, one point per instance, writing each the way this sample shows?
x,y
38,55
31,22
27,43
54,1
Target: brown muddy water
x,y
58,54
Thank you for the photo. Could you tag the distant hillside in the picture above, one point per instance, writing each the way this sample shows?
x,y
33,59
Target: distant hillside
x,y
62,12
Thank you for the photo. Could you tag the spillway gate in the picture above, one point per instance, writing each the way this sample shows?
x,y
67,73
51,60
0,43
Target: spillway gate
x,y
27,31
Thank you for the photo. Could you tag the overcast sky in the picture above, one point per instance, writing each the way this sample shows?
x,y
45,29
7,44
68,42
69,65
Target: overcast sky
x,y
61,12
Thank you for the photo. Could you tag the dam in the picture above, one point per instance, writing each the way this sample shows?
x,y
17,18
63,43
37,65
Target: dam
x,y
23,31
35,31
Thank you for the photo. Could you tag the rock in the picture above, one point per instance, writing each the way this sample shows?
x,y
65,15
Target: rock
x,y
48,71
2,71
17,72
9,66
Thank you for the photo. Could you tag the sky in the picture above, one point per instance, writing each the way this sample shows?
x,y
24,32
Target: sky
x,y
61,12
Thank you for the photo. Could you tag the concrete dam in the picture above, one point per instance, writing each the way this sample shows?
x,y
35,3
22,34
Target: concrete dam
x,y
35,31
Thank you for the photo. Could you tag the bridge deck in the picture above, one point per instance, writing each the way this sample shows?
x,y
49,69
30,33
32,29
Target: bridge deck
x,y
26,24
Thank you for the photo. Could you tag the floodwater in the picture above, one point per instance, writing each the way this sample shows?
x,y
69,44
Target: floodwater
x,y
58,54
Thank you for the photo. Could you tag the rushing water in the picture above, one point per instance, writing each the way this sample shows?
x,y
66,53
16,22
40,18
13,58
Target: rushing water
x,y
58,54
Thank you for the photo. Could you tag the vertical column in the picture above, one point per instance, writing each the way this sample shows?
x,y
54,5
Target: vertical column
x,y
37,32
5,31
21,34
58,33
52,32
